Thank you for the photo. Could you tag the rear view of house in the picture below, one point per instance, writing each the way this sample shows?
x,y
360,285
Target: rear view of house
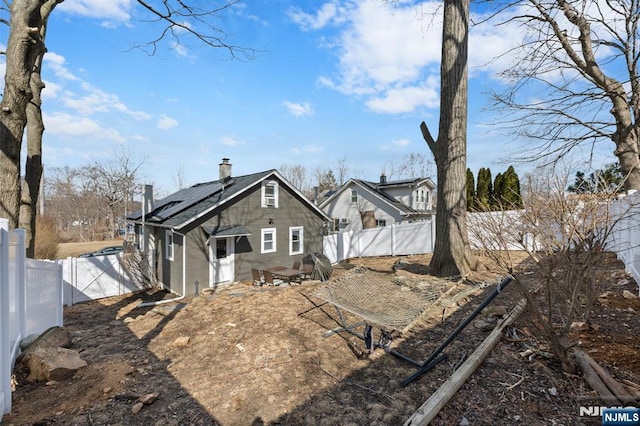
x,y
215,232
362,204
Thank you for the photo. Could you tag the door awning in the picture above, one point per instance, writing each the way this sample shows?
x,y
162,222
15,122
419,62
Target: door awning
x,y
223,231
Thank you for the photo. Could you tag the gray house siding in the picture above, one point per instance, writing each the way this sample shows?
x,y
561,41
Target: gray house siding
x,y
246,211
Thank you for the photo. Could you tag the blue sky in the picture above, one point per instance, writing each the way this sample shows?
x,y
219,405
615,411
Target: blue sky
x,y
337,80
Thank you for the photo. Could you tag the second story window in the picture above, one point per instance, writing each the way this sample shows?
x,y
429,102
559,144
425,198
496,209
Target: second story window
x,y
354,195
270,194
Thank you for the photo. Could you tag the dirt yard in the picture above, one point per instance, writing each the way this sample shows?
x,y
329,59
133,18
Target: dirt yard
x,y
258,356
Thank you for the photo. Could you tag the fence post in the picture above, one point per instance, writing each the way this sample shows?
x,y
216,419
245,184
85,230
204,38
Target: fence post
x,y
393,239
5,355
21,293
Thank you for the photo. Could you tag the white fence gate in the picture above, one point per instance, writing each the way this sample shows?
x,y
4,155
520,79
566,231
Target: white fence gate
x,y
393,240
90,278
30,302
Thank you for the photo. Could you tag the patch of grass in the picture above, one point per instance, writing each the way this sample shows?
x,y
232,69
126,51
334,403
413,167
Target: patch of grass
x,y
75,249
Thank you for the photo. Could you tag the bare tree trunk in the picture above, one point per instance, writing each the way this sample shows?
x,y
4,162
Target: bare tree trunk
x,y
452,255
35,130
22,50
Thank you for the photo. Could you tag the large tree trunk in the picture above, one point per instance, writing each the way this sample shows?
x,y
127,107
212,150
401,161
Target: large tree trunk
x,y
35,130
22,50
452,255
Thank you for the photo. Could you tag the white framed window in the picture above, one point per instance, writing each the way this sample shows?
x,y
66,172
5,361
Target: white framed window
x,y
381,222
343,223
354,195
268,240
270,194
296,240
168,238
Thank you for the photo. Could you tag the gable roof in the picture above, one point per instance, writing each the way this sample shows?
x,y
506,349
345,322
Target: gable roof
x,y
188,204
377,189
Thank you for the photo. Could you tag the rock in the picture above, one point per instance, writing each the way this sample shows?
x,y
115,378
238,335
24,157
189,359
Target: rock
x,y
181,341
483,325
27,341
628,295
53,364
553,391
579,325
464,422
51,338
107,390
149,398
135,409
127,320
495,311
606,294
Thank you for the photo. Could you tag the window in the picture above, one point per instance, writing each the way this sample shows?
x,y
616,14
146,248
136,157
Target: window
x,y
270,194
381,222
268,240
343,223
295,240
354,195
169,244
221,248
421,195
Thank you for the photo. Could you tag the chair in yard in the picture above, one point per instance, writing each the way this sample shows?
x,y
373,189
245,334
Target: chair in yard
x,y
269,280
257,278
296,264
307,269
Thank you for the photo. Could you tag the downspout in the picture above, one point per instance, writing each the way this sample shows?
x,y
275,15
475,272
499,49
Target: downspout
x,y
184,278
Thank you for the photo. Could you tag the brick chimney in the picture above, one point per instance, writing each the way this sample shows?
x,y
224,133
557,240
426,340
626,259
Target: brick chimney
x,y
225,169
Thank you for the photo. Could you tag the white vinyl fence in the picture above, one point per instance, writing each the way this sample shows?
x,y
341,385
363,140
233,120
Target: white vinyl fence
x,y
91,278
30,302
625,238
393,240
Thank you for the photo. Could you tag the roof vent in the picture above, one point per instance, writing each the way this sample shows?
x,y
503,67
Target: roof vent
x,y
383,178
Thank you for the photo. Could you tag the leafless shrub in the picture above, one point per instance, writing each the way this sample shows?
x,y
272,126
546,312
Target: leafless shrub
x,y
564,237
138,267
47,238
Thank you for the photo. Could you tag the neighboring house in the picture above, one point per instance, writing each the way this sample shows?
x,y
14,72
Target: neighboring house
x,y
380,204
216,232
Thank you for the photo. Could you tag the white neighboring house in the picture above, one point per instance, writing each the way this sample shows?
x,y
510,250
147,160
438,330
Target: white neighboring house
x,y
392,202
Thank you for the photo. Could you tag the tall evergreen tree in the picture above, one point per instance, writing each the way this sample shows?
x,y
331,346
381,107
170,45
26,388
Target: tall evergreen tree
x,y
497,197
609,179
471,190
510,191
484,190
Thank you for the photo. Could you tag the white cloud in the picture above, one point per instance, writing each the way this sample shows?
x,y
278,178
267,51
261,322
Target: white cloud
x,y
389,52
231,141
71,125
327,13
307,149
406,99
113,10
94,100
165,122
57,64
396,145
298,109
